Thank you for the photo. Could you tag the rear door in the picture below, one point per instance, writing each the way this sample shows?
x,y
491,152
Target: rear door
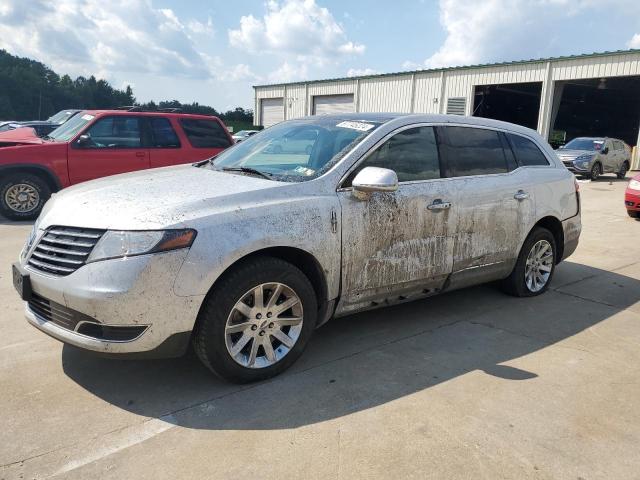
x,y
203,137
397,245
495,202
111,145
165,147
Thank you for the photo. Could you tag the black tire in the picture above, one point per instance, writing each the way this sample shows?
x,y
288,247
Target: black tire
x,y
515,283
209,336
624,168
633,214
38,184
596,171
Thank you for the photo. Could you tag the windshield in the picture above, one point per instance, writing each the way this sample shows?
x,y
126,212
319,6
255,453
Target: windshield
x,y
296,150
585,144
68,130
61,116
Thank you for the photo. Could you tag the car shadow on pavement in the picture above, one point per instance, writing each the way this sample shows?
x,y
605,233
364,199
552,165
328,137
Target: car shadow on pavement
x,y
366,360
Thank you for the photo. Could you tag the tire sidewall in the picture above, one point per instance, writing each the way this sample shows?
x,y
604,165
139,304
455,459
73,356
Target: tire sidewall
x,y
597,169
40,185
213,318
534,237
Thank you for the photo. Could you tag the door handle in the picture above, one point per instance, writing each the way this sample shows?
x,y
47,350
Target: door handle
x,y
521,195
438,204
140,154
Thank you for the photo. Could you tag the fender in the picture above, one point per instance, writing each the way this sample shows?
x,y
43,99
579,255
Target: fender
x,y
49,174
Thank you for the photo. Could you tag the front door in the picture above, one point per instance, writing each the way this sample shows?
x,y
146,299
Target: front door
x,y
109,146
398,245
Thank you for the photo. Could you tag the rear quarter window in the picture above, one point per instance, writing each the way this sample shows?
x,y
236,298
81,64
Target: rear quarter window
x,y
527,153
204,133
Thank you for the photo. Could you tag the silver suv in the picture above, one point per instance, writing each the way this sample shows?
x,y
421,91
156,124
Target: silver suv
x,y
591,157
246,254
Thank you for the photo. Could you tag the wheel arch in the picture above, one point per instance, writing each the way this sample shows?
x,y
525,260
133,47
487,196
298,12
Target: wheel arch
x,y
554,225
41,171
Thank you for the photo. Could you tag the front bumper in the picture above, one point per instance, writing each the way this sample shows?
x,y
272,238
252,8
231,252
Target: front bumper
x,y
632,201
577,169
135,292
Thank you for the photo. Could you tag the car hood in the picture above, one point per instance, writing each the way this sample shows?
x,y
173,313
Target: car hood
x,y
20,136
573,154
157,198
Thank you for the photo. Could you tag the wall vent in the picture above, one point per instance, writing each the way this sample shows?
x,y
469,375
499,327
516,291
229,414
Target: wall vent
x,y
456,105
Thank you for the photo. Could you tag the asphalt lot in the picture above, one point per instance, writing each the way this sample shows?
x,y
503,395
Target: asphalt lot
x,y
471,384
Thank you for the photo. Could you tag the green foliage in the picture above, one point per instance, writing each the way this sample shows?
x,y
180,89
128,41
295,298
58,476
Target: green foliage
x,y
29,90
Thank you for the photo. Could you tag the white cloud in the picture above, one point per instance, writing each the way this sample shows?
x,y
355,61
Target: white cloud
x,y
298,28
359,72
496,30
82,37
237,73
288,72
635,41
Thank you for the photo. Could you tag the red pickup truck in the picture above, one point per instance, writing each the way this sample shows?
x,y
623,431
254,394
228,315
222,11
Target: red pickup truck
x,y
98,143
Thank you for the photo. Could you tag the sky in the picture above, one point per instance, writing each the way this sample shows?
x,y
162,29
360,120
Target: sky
x,y
213,52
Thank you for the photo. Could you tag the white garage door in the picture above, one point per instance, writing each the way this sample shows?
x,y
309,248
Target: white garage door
x,y
326,104
271,111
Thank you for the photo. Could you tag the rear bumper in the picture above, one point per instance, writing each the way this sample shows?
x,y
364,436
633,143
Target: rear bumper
x,y
571,228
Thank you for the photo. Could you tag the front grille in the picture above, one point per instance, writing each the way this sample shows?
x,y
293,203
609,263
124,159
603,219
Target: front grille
x,y
54,312
568,164
63,250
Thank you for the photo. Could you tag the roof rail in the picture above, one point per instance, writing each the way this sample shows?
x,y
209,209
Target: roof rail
x,y
136,108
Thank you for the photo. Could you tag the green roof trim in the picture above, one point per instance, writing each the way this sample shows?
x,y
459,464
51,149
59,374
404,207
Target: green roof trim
x,y
462,67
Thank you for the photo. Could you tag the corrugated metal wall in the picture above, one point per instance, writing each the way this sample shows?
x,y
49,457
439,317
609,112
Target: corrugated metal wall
x,y
423,92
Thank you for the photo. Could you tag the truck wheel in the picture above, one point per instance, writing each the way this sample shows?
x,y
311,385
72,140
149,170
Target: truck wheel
x,y
624,168
596,171
22,196
256,321
535,265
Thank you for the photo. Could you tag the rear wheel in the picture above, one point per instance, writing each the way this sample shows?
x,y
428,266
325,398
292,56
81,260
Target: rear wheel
x,y
596,171
257,321
535,265
624,168
633,214
22,196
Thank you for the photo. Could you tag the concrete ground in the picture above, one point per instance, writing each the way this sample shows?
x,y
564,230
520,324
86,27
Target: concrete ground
x,y
471,384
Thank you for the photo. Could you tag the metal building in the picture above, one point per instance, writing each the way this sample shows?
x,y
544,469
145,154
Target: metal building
x,y
562,98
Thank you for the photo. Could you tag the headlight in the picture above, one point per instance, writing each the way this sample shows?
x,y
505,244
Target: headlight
x,y
634,184
118,244
29,242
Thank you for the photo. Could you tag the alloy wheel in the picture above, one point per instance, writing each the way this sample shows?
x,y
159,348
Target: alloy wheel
x,y
22,197
595,171
264,325
538,266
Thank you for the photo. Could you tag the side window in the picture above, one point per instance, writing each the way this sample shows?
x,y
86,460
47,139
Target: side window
x,y
205,133
618,145
527,153
114,132
472,151
162,134
412,154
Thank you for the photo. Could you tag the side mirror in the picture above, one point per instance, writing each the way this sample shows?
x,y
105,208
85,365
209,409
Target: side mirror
x,y
374,179
83,140
605,150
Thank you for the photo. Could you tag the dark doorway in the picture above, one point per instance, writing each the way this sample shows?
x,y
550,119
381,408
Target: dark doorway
x,y
598,107
511,102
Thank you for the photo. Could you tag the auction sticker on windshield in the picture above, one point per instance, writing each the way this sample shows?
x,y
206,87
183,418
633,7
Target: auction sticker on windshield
x,y
361,126
87,117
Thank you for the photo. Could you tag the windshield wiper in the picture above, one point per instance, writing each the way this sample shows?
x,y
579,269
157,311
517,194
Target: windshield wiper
x,y
247,170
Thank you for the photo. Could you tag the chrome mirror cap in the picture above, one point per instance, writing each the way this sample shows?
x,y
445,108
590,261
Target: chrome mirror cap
x,y
374,179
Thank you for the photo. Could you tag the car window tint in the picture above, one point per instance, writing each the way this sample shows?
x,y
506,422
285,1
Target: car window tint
x,y
472,151
512,164
527,153
114,132
163,134
205,133
412,154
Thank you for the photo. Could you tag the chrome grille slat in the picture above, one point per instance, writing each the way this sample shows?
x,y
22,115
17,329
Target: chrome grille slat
x,y
62,250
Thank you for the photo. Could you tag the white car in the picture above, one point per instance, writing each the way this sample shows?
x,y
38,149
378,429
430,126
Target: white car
x,y
243,135
245,255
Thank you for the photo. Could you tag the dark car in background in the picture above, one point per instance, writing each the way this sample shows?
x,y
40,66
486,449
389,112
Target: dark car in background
x,y
41,127
99,143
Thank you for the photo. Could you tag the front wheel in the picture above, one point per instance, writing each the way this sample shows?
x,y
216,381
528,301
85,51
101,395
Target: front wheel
x,y
596,171
257,321
22,196
535,265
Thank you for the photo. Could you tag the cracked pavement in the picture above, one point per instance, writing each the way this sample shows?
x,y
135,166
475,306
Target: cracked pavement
x,y
470,384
